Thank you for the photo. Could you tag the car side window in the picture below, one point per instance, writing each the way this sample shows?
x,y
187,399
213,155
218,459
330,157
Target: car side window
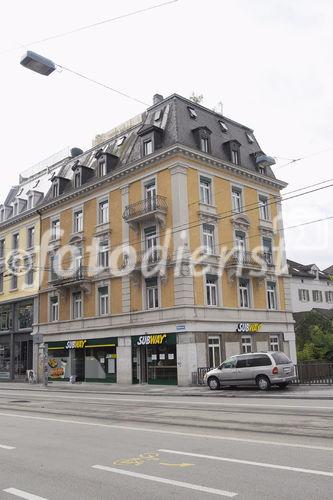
x,y
229,364
259,361
241,363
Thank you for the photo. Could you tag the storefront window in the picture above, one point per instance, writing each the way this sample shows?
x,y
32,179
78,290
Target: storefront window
x,y
6,318
4,360
214,352
155,359
25,316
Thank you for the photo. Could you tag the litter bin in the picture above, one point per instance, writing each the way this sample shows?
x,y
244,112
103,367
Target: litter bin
x,y
72,379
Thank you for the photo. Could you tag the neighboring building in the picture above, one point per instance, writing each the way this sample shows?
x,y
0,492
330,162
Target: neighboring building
x,y
177,180
310,287
19,268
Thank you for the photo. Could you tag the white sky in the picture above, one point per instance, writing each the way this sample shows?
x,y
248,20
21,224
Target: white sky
x,y
268,61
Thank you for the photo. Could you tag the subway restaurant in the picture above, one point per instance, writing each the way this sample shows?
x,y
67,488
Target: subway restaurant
x,y
154,359
90,360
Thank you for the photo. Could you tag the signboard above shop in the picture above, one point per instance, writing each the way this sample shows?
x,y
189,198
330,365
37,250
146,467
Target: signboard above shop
x,y
154,339
249,327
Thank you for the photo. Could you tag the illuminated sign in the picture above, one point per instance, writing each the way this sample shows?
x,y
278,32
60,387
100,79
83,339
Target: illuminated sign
x,y
76,344
249,327
151,339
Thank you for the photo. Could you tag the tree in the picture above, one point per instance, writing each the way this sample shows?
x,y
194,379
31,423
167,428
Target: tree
x,y
197,98
314,337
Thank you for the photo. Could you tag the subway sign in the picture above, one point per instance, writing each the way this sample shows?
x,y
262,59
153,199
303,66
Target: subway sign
x,y
75,344
151,339
249,327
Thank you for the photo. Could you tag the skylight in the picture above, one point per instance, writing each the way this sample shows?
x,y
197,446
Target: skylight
x,y
121,140
192,111
158,115
223,126
250,137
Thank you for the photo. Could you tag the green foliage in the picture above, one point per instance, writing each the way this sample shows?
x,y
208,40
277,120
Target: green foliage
x,y
314,337
196,98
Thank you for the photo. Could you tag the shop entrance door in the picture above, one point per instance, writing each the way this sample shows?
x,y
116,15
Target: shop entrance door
x,y
155,364
79,364
140,369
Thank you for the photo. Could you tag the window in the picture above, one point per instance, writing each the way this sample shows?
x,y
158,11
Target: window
x,y
152,293
101,168
204,144
258,360
103,300
223,126
55,229
30,201
268,253
235,156
1,282
192,112
121,140
317,296
205,190
208,238
103,212
211,290
29,273
54,308
250,137
244,293
147,147
150,195
271,295
263,207
240,242
77,305
150,238
2,248
280,358
13,282
55,189
274,343
54,267
77,260
15,241
6,318
303,295
103,254
262,170
30,237
246,344
78,221
77,179
236,200
329,297
25,316
214,352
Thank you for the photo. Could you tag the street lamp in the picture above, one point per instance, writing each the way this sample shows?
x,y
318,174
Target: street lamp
x,y
38,63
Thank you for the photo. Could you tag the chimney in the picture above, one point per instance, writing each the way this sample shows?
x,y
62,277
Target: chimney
x,y
157,98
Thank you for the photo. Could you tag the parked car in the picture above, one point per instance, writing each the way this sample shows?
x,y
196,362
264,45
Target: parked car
x,y
259,368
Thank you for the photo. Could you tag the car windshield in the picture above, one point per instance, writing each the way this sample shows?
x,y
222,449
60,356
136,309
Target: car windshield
x,y
228,363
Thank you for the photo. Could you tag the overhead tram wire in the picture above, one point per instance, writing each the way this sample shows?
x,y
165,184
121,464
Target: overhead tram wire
x,y
93,25
292,161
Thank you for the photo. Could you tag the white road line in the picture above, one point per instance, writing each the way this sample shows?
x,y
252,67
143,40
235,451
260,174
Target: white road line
x,y
171,433
6,447
181,484
200,403
23,494
247,462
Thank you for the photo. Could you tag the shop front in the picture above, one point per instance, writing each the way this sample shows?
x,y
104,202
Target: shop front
x,y
90,360
154,359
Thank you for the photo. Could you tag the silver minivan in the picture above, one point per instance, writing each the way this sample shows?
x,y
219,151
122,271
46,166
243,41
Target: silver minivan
x,y
259,368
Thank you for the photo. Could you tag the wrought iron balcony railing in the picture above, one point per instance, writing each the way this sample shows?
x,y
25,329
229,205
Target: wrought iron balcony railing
x,y
69,276
144,207
245,259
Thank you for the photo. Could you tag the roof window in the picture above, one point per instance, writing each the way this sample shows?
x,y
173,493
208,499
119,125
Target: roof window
x,y
121,140
223,126
192,112
158,115
250,137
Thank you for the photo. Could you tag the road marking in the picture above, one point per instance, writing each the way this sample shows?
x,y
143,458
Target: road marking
x,y
200,403
23,494
184,464
6,447
247,462
170,433
181,484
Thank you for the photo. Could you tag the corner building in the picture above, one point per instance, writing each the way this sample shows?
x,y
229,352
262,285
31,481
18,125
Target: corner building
x,y
174,186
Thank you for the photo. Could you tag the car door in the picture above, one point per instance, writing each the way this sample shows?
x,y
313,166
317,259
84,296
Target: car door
x,y
243,371
227,373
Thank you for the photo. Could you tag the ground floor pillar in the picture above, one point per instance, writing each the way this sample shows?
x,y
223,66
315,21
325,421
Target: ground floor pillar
x,y
124,360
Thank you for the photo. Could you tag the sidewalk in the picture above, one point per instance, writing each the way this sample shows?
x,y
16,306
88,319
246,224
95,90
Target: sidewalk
x,y
318,392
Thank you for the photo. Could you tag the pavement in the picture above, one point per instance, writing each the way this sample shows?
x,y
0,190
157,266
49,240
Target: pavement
x,y
79,444
319,391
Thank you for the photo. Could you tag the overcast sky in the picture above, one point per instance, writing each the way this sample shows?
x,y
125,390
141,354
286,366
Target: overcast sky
x,y
268,61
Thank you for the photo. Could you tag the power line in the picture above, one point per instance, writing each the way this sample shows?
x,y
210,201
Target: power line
x,y
302,158
89,26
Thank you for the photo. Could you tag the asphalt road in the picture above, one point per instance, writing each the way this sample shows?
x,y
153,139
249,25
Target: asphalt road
x,y
84,446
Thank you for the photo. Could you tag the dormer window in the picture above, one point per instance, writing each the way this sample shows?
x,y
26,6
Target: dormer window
x,y
192,112
77,178
223,126
158,115
262,170
106,162
14,209
101,168
30,202
147,147
55,189
202,138
235,156
250,138
232,149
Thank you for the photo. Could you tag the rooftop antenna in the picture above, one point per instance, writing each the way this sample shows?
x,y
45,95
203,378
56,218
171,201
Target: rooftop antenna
x,y
220,105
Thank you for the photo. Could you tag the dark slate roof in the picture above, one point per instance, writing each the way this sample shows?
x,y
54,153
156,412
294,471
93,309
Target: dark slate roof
x,y
329,270
305,271
327,313
177,127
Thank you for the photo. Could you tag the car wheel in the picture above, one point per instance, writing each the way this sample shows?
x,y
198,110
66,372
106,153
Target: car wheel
x,y
213,384
263,383
283,385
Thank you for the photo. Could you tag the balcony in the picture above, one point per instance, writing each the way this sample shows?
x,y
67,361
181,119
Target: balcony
x,y
241,263
71,278
150,209
147,260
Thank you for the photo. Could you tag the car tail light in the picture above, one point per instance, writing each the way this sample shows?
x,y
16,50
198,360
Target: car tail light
x,y
275,370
